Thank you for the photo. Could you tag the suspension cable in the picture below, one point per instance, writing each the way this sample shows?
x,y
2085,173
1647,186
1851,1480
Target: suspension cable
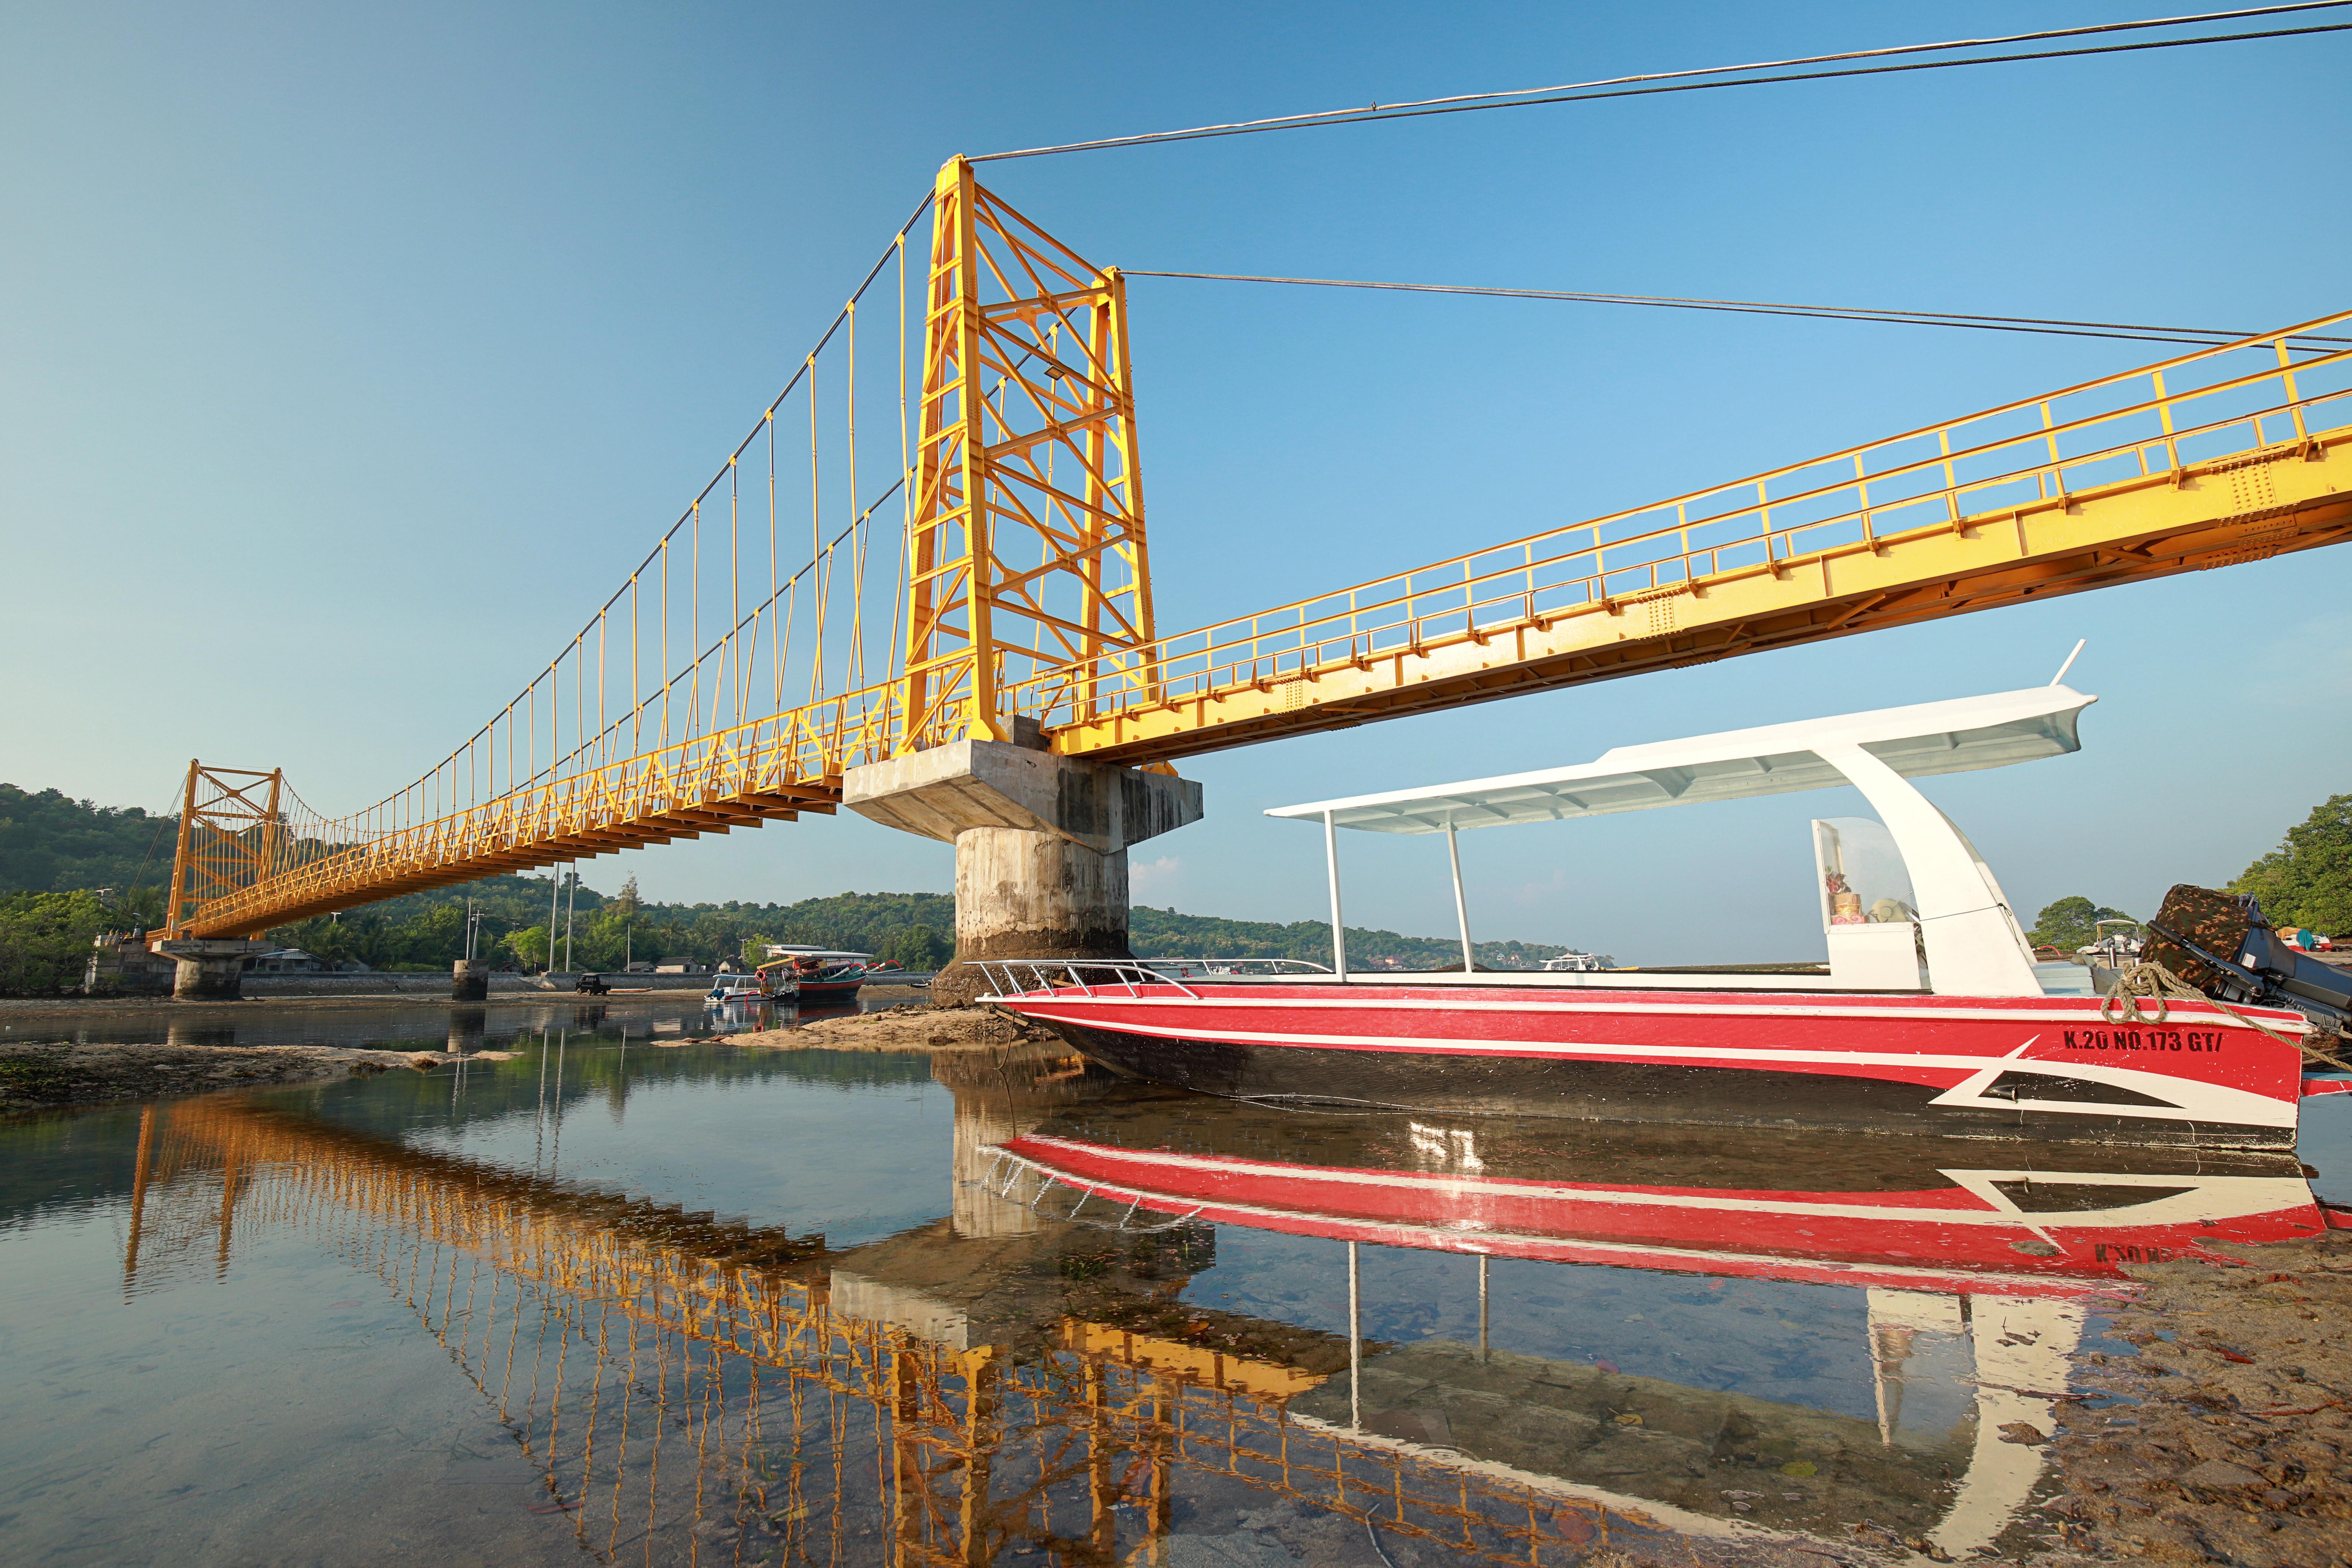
x,y
2202,337
1677,81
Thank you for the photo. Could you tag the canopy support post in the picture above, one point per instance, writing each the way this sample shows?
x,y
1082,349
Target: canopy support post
x,y
1460,909
1355,1342
1338,932
1482,1306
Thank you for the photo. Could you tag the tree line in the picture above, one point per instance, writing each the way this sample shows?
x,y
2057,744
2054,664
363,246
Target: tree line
x,y
2306,881
70,869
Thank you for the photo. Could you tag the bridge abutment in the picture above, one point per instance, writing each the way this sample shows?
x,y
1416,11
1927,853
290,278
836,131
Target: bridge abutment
x,y
1041,844
210,969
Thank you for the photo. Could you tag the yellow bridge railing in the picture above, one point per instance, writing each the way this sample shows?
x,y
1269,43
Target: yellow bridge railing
x,y
2152,432
1021,588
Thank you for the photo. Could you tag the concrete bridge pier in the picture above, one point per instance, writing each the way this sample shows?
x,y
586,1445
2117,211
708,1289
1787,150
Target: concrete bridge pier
x,y
210,969
470,980
1041,844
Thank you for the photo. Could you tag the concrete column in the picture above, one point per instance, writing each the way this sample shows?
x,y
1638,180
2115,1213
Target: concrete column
x,y
1000,1094
1041,844
210,969
467,1028
470,980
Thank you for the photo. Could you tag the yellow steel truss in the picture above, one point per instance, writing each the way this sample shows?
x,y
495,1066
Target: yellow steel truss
x,y
1028,598
2230,453
671,1328
232,837
1028,553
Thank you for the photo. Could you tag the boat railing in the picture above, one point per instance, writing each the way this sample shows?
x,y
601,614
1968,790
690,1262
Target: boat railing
x,y
1196,968
1086,974
1009,1175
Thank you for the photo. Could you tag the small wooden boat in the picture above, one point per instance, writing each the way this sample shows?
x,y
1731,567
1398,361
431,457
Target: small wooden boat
x,y
819,976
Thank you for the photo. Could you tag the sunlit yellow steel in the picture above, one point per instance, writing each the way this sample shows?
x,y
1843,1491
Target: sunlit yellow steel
x,y
479,1249
232,835
1027,552
1027,588
2116,481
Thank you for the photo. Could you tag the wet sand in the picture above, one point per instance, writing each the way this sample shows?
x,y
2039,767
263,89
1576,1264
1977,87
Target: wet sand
x,y
906,1029
2230,1439
35,1077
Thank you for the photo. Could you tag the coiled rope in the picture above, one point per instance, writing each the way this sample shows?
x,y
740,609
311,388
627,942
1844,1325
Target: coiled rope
x,y
2127,1003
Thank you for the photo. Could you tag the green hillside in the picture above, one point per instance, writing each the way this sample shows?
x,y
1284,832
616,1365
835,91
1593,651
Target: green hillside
x,y
50,842
54,848
1164,934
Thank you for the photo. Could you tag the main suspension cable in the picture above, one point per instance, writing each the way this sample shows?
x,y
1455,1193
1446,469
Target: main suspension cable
x,y
1678,81
2203,337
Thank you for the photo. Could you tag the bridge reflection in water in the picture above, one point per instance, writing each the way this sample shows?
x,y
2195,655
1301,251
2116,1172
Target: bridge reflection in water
x,y
1001,1383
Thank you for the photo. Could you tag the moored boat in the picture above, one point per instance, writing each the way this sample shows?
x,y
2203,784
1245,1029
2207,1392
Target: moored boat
x,y
732,989
1903,1213
1926,1017
819,975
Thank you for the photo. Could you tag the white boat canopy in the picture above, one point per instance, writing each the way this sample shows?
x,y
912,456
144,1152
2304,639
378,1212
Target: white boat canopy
x,y
1955,737
1972,941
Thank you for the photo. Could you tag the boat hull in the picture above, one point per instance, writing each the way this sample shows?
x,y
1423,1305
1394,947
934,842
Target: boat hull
x,y
1947,1225
2038,1068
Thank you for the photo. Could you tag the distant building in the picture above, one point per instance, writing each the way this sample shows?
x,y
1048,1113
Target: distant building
x,y
686,968
120,962
294,960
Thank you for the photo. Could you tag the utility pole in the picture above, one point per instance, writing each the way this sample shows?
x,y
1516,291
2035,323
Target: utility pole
x,y
554,897
571,902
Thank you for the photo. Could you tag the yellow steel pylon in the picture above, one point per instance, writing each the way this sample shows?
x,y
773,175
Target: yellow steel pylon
x,y
1027,552
229,839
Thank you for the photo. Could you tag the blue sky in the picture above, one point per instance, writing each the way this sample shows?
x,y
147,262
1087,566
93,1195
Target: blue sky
x,y
355,352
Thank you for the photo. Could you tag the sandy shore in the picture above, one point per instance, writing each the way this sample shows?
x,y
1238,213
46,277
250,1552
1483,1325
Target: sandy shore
x,y
33,1076
903,1029
2231,1440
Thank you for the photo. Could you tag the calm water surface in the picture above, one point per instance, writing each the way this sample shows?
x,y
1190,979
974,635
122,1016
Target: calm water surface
x,y
636,1296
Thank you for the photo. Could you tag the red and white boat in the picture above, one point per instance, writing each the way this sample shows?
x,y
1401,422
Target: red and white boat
x,y
1913,1214
1926,1017
1949,1246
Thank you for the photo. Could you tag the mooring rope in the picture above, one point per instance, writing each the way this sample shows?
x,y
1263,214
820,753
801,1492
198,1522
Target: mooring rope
x,y
2143,981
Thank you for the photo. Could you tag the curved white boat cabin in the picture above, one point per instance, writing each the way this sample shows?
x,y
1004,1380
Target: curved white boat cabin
x,y
1959,921
1926,1016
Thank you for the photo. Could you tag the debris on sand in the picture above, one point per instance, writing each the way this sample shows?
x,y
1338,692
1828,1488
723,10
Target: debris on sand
x,y
2231,1441
33,1076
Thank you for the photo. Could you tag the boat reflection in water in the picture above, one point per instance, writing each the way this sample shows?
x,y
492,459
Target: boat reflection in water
x,y
1007,1384
1988,1271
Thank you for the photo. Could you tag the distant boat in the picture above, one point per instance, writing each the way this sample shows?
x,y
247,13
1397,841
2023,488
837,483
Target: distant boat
x,y
820,974
747,990
1575,962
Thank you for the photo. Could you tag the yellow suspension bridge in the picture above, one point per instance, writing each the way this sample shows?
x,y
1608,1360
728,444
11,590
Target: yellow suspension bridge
x,y
813,612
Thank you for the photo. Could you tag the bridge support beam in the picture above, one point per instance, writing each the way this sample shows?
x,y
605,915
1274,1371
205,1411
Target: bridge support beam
x,y
210,969
1041,844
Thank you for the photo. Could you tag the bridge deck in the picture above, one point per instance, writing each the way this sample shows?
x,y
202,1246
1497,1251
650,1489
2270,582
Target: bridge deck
x,y
2241,457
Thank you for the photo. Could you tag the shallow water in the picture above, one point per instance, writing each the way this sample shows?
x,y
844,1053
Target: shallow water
x,y
392,1025
635,1295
